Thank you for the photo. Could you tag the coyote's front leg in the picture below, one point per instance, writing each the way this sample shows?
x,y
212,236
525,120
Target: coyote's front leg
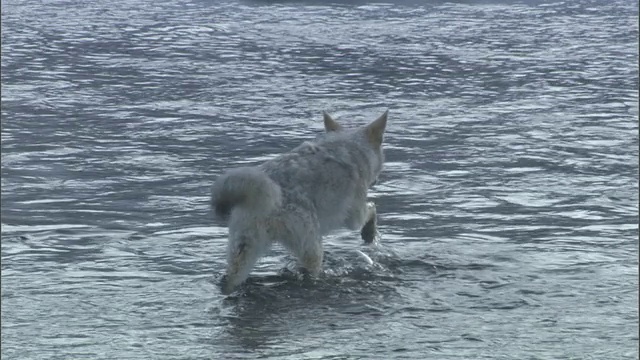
x,y
369,230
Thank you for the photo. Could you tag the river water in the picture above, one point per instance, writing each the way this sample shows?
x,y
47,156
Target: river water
x,y
508,206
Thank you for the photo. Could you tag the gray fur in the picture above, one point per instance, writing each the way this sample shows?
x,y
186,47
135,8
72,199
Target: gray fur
x,y
299,196
246,187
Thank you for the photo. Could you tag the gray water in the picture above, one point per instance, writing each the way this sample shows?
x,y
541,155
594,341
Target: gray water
x,y
508,206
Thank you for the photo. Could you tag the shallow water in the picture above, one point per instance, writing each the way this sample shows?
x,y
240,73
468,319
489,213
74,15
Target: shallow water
x,y
508,206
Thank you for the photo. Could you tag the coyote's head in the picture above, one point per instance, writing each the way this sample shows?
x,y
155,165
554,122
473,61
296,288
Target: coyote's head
x,y
366,138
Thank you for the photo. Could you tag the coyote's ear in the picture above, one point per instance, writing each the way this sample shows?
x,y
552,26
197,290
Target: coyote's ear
x,y
330,124
375,130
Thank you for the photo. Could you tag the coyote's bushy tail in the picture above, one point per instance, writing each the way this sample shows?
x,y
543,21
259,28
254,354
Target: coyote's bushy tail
x,y
248,188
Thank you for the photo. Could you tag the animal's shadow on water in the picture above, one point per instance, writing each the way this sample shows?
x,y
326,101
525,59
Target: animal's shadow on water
x,y
273,308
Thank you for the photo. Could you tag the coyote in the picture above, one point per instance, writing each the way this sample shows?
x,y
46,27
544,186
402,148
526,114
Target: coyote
x,y
299,196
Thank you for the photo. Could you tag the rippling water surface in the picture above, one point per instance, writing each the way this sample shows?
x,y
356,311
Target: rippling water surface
x,y
508,206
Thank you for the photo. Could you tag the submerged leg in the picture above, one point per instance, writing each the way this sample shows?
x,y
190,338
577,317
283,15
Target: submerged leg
x,y
242,254
301,236
311,255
